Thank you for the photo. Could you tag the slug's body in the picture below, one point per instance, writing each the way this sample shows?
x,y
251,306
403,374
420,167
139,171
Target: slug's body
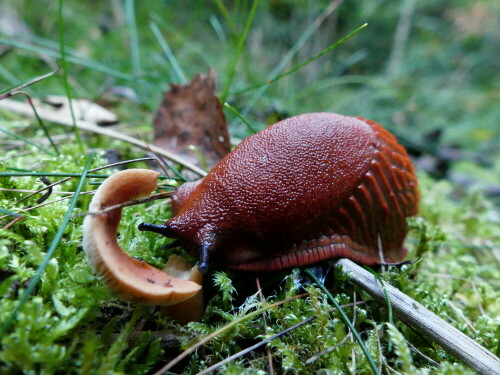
x,y
309,188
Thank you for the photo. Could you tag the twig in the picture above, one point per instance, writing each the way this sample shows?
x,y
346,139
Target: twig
x,y
92,170
52,116
51,202
209,337
314,358
253,347
13,90
431,361
133,202
414,314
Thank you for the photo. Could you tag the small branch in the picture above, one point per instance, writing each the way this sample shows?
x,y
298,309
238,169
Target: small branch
x,y
133,202
414,314
209,337
52,116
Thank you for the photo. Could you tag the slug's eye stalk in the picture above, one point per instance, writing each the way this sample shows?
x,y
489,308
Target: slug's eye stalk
x,y
162,229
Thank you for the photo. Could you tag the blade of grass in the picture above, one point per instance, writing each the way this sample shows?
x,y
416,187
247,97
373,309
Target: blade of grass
x,y
47,174
134,38
50,252
346,320
25,140
9,213
389,304
226,15
64,67
87,62
9,92
232,109
40,122
285,60
300,66
168,52
219,31
52,202
239,50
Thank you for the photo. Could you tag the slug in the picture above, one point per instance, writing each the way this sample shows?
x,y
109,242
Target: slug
x,y
308,188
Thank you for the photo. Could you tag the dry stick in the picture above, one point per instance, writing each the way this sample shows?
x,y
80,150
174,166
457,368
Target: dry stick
x,y
52,202
90,171
431,361
43,198
414,314
13,90
314,358
132,202
49,115
209,337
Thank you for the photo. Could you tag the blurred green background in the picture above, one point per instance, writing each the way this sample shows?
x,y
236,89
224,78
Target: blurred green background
x,y
427,70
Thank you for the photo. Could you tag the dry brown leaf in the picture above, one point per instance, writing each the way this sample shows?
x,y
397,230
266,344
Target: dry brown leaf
x,y
192,115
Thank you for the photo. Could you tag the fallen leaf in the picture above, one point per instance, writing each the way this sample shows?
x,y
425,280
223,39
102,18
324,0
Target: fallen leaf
x,y
191,115
83,109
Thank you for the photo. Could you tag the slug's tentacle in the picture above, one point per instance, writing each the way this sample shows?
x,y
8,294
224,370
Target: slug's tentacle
x,y
162,229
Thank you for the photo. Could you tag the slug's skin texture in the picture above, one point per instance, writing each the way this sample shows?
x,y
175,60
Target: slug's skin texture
x,y
309,188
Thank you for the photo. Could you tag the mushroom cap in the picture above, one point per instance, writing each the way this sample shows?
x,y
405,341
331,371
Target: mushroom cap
x,y
130,278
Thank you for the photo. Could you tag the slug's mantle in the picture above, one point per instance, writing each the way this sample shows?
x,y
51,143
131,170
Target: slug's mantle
x,y
309,188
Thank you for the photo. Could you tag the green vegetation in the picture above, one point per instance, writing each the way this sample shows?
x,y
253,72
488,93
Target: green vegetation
x,y
434,85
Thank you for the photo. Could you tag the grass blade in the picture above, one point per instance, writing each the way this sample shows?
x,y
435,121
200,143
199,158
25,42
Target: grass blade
x,y
168,52
232,109
134,38
239,50
10,91
40,122
346,321
64,67
25,140
301,65
285,60
9,213
76,59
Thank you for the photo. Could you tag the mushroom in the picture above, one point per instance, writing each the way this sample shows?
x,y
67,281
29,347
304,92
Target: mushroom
x,y
132,279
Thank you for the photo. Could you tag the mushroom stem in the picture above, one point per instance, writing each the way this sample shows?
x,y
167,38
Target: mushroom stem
x,y
132,279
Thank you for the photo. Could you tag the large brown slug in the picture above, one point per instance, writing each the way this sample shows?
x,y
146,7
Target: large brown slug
x,y
312,187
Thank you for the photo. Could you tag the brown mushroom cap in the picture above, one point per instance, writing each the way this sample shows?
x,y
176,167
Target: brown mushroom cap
x,y
132,279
